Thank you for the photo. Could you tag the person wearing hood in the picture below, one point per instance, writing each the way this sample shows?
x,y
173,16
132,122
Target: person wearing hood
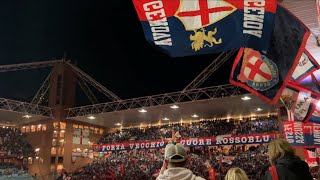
x,y
173,164
285,165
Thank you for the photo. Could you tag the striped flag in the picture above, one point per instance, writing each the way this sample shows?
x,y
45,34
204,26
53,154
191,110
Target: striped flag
x,y
290,115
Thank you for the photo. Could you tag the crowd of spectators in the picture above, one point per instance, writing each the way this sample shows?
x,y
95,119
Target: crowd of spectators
x,y
146,164
13,143
198,129
12,170
120,166
315,171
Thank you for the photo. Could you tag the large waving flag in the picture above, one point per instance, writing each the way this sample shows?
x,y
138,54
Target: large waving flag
x,y
266,73
192,27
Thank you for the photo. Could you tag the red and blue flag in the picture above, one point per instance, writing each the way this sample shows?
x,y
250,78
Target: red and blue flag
x,y
266,73
191,27
303,135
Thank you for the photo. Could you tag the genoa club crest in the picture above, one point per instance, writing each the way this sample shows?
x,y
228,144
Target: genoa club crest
x,y
258,71
192,27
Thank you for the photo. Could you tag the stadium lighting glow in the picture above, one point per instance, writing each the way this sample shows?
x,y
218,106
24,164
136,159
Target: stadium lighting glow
x,y
118,124
174,107
194,115
142,110
246,98
27,116
165,119
259,109
91,117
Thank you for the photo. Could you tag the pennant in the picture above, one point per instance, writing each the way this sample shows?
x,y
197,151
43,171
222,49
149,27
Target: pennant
x,y
306,66
301,102
310,157
185,28
315,117
265,74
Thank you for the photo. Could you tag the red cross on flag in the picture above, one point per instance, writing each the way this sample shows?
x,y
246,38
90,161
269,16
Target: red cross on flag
x,y
257,70
196,14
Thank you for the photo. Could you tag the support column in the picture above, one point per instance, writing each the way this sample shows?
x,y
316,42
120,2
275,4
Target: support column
x,y
61,96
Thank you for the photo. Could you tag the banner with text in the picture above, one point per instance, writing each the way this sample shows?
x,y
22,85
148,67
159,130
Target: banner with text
x,y
300,134
189,142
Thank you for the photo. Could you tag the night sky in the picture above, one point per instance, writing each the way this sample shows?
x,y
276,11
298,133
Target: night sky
x,y
91,34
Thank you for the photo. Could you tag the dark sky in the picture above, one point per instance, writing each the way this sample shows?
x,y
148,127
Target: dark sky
x,y
105,38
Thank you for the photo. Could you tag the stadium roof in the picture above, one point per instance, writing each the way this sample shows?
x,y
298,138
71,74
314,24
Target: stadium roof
x,y
205,109
212,108
12,118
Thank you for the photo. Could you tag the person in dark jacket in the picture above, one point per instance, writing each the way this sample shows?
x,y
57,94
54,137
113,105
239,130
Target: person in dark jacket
x,y
285,163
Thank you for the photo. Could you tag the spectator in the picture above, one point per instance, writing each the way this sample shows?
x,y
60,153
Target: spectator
x,y
284,164
236,174
14,143
173,165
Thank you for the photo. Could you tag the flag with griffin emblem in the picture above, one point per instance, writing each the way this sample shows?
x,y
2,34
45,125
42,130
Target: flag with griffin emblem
x,y
191,27
266,73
